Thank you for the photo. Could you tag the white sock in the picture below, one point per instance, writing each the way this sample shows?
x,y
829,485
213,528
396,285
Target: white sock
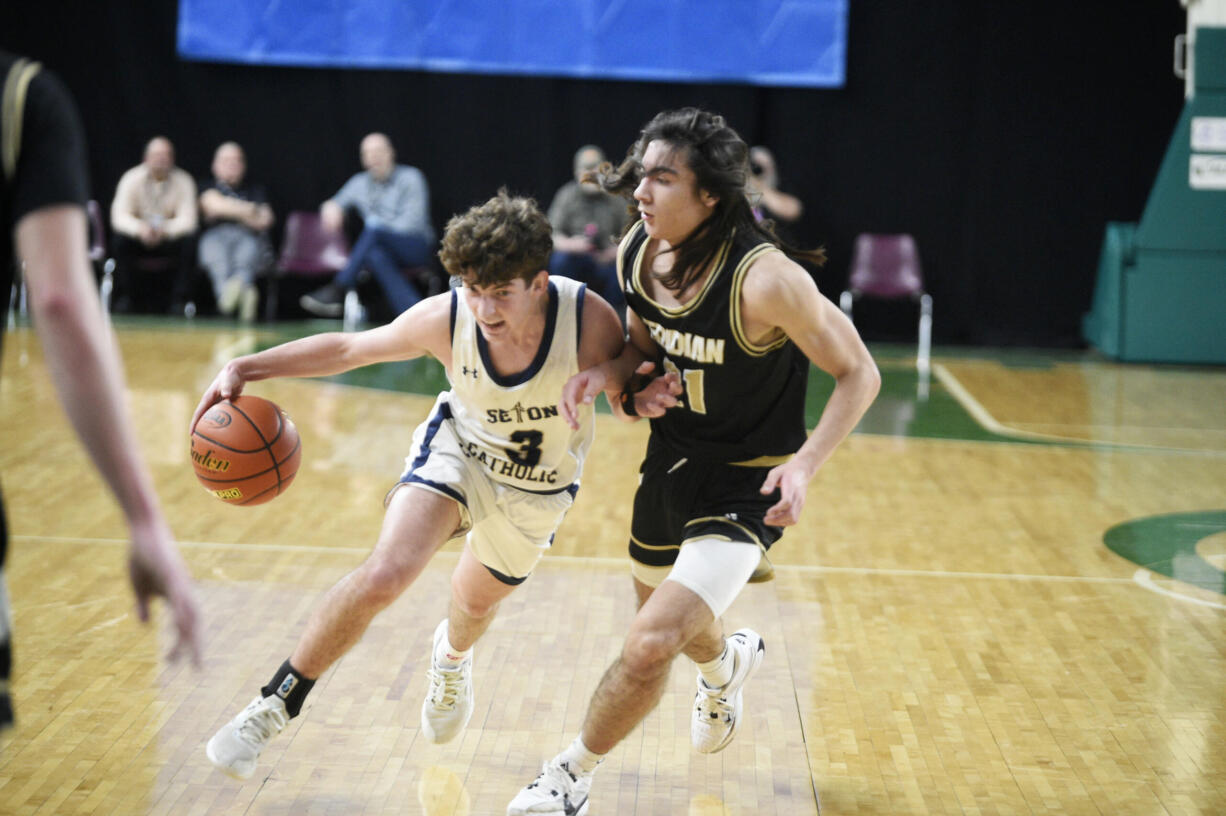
x,y
578,757
716,673
448,656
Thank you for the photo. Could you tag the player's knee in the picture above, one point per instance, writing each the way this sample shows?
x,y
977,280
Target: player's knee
x,y
382,581
470,603
650,651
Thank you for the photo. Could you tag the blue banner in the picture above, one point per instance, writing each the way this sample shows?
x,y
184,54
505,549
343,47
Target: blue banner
x,y
762,42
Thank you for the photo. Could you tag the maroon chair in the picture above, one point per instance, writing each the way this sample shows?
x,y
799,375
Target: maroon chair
x,y
888,266
308,250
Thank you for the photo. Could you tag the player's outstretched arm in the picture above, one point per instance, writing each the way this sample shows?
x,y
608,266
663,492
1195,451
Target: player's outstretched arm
x,y
423,329
601,343
780,294
88,375
612,373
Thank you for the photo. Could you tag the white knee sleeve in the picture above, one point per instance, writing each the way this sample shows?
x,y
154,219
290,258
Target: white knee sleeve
x,y
715,569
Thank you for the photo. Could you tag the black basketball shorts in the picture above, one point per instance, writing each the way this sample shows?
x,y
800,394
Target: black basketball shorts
x,y
680,499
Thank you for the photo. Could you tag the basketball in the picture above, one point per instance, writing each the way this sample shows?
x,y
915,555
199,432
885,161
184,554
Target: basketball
x,y
246,450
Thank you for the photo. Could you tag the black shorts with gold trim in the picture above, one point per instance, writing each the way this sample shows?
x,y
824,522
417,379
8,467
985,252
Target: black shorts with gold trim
x,y
680,499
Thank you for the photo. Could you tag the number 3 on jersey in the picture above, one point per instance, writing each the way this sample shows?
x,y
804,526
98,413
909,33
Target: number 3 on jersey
x,y
529,451
693,398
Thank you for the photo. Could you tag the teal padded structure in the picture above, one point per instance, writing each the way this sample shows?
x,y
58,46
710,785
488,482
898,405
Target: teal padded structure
x,y
1160,294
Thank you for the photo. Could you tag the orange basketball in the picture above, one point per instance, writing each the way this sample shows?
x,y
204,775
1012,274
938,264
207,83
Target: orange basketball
x,y
245,450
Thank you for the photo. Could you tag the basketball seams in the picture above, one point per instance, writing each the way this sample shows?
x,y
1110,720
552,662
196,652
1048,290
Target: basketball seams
x,y
282,465
255,475
268,443
224,446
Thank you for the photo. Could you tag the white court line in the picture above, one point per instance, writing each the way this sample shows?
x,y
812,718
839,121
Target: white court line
x,y
586,559
1142,577
992,425
1145,579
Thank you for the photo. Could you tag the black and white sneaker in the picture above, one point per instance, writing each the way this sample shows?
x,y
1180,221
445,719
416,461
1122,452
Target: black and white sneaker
x,y
717,711
557,791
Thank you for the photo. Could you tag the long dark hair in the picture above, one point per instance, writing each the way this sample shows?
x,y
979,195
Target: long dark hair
x,y
719,159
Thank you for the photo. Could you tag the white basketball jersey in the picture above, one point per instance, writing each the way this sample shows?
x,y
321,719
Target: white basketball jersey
x,y
511,425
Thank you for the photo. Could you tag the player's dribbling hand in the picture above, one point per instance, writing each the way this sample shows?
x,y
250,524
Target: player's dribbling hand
x,y
792,483
227,385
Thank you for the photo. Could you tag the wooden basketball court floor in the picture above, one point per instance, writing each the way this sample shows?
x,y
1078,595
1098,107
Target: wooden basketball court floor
x,y
1006,597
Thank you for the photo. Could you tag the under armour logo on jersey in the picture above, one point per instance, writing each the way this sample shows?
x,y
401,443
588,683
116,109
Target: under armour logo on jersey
x,y
466,371
730,516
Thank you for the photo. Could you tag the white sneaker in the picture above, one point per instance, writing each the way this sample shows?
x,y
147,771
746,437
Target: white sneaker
x,y
236,747
717,712
449,704
557,790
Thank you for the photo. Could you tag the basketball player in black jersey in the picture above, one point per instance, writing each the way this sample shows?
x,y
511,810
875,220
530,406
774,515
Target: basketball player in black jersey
x,y
730,323
43,189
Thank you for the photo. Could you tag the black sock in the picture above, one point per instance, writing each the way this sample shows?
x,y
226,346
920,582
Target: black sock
x,y
289,684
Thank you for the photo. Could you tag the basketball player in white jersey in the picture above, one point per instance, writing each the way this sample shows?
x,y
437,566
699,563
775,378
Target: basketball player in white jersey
x,y
494,461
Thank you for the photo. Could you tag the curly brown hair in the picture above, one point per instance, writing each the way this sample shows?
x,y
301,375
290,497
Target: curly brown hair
x,y
505,238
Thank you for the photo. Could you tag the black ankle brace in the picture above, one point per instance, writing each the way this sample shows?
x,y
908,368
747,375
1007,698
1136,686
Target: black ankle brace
x,y
289,684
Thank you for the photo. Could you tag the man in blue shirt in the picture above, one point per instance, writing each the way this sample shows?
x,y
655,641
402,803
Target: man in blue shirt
x,y
393,202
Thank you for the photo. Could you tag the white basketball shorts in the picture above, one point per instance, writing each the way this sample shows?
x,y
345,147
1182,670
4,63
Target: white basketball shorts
x,y
508,529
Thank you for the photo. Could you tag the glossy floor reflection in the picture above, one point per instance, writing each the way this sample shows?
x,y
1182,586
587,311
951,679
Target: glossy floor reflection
x,y
1005,597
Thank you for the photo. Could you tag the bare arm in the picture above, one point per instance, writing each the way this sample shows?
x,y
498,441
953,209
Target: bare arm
x,y
779,296
331,215
784,206
88,375
423,329
602,338
215,204
186,217
612,375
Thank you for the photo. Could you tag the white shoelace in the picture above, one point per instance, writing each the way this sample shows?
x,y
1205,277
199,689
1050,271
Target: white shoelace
x,y
711,701
445,687
557,778
262,726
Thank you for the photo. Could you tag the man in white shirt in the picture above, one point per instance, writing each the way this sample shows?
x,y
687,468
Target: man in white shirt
x,y
154,215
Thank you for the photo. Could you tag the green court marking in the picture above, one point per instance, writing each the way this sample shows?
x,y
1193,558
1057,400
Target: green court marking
x,y
1167,545
899,409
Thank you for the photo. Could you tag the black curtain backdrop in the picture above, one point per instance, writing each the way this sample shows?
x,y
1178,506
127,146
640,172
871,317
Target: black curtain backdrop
x,y
1002,135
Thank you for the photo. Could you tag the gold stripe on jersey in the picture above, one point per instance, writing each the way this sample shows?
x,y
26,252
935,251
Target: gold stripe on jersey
x,y
621,245
738,327
763,461
693,303
11,111
638,543
723,520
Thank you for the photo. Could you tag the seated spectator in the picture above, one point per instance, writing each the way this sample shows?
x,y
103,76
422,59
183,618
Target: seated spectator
x,y
393,203
767,199
587,224
154,216
234,245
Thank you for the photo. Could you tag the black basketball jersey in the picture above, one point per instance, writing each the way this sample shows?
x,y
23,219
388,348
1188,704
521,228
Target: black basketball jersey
x,y
42,152
742,403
